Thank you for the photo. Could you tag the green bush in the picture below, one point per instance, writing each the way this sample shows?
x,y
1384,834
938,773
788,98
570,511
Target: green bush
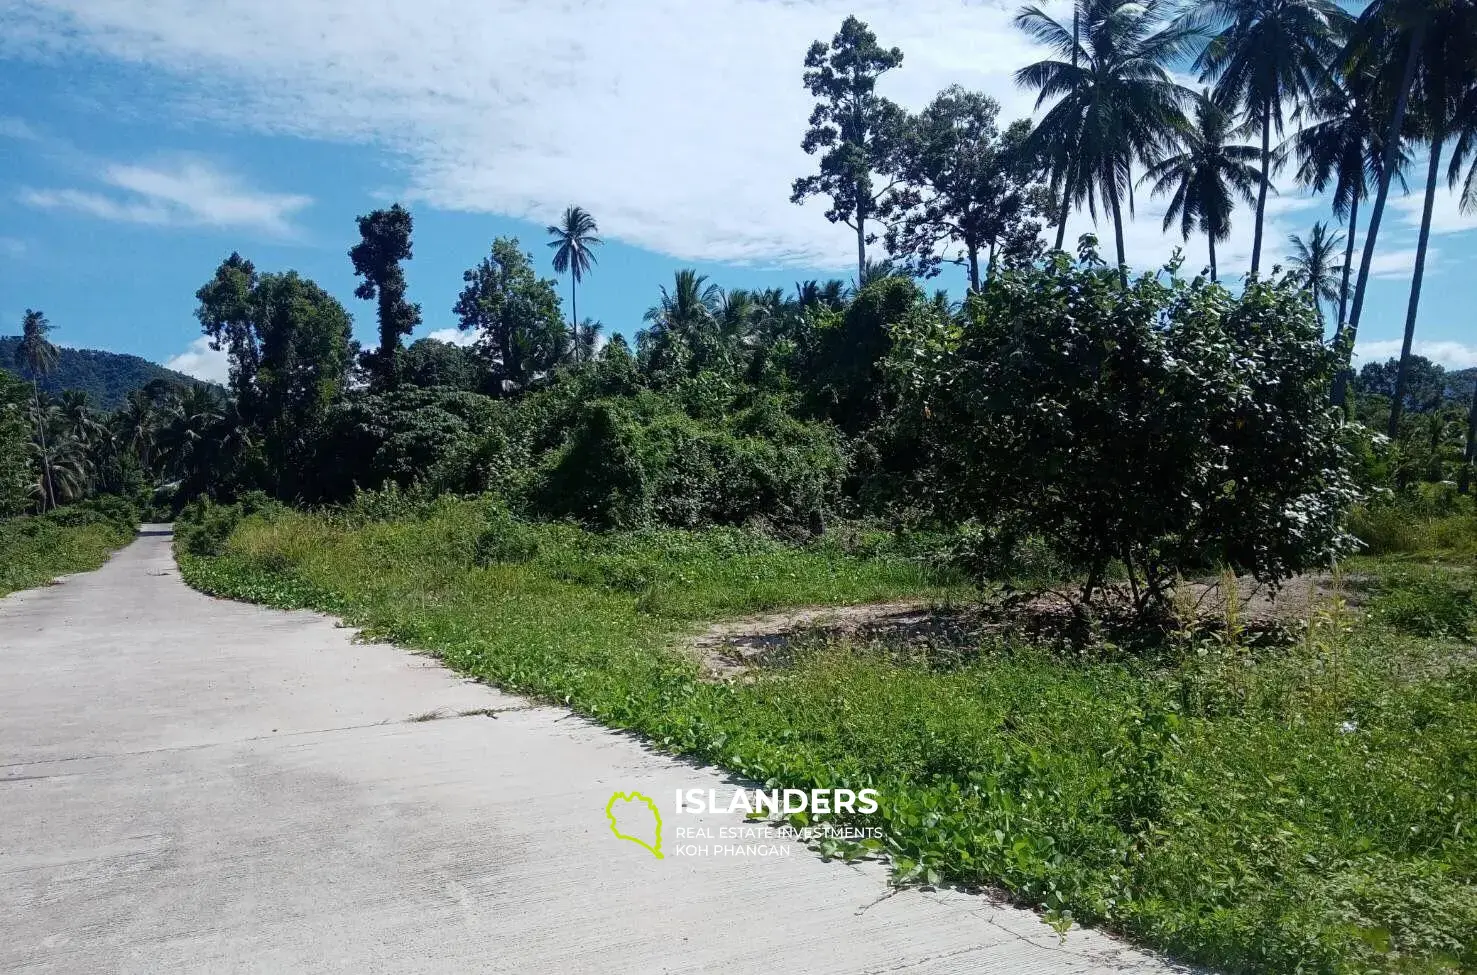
x,y
1426,604
629,464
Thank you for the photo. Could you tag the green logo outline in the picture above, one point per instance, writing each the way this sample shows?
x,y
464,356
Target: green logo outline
x,y
655,812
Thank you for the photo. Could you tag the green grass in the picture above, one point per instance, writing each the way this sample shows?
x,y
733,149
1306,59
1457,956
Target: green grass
x,y
36,549
1304,810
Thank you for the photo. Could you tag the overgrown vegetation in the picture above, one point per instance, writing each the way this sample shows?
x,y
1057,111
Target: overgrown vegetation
x,y
1300,807
555,514
77,538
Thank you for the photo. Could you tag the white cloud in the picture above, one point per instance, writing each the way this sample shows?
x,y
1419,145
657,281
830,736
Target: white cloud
x,y
1446,210
678,125
16,128
1400,263
1452,355
202,362
181,192
453,336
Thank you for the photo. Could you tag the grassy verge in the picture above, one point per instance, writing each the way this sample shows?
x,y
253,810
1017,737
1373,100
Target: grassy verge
x,y
78,538
1308,809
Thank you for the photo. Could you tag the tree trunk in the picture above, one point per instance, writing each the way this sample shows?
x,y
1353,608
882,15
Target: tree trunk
x,y
1470,454
1387,167
1061,226
574,318
1211,238
861,247
1352,227
974,268
48,492
1432,173
1118,230
1261,191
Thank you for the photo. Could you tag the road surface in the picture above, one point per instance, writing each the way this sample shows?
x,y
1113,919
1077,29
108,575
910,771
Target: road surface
x,y
195,785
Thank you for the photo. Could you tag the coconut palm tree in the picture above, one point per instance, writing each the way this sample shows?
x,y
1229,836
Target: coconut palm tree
x,y
1115,101
1445,78
574,246
1205,175
137,422
683,324
38,357
1385,44
1341,149
1313,261
1264,56
65,470
585,340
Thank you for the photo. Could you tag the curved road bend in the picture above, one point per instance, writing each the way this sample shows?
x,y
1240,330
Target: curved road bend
x,y
194,785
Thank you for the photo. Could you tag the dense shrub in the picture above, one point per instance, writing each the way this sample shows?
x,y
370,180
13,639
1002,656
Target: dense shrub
x,y
632,464
400,436
1169,426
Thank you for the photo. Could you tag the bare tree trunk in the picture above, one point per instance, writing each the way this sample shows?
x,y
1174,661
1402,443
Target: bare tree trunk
x,y
1432,172
1211,238
1470,454
1118,230
1261,191
1387,171
974,268
48,492
861,247
1352,227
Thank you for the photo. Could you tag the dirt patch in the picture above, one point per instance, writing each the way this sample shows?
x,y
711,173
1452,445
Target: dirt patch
x,y
732,647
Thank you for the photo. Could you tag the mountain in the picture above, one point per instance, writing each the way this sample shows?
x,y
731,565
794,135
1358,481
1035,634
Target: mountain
x,y
106,377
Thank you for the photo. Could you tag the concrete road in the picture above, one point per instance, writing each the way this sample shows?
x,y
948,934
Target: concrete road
x,y
192,785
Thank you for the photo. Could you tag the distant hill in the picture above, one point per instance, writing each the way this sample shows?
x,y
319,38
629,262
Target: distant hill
x,y
106,377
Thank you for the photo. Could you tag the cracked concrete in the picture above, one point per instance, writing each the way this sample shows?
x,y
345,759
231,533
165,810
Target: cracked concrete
x,y
191,785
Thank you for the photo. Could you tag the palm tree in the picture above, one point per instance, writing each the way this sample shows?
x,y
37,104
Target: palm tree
x,y
188,430
1115,100
137,422
1444,81
574,246
38,357
1388,37
1342,149
586,340
683,323
79,419
1265,55
1313,261
1464,150
65,476
1204,175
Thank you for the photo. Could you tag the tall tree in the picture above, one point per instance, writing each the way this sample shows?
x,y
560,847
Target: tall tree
x,y
1313,260
38,357
964,185
1116,103
516,314
858,129
288,345
1267,55
1446,75
574,246
384,243
1464,152
1205,176
1340,149
1384,45
683,336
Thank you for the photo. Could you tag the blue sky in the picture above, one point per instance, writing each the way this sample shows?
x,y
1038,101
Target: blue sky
x,y
142,141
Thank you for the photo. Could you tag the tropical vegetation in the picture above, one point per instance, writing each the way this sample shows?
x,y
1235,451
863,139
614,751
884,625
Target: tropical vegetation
x,y
1066,459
